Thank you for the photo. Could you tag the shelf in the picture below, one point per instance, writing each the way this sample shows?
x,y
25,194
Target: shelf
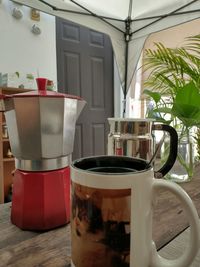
x,y
8,159
5,139
7,164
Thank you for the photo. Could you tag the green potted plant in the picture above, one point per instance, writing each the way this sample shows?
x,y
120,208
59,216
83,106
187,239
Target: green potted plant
x,y
173,84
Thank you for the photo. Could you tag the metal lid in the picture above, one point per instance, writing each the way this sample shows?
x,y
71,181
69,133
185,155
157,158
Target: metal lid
x,y
38,93
131,119
131,126
41,92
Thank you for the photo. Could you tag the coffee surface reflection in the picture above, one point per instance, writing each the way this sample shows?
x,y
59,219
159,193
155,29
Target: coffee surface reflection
x,y
112,170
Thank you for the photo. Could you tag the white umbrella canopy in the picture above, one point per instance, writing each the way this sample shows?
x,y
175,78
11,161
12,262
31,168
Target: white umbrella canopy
x,y
127,22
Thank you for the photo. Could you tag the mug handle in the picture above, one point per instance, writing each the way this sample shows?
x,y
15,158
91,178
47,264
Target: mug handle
x,y
186,259
172,152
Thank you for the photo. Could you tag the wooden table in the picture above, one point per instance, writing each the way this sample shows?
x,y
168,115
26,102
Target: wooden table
x,y
52,248
169,217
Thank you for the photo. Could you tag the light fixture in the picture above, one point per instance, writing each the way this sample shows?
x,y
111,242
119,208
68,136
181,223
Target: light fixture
x,y
36,29
35,14
17,13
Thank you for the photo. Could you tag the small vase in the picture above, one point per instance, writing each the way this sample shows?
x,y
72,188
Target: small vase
x,y
9,153
183,169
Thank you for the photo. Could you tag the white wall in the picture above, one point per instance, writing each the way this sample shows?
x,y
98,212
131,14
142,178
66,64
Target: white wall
x,y
21,50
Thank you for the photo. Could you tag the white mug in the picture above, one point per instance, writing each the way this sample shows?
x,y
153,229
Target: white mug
x,y
111,214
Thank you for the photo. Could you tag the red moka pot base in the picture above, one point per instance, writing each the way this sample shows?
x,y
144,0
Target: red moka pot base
x,y
41,200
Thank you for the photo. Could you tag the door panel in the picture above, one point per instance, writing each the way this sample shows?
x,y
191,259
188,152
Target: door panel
x,y
85,68
98,134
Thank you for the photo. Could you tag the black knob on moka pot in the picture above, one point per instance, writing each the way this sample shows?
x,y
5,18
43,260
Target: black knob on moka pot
x,y
42,85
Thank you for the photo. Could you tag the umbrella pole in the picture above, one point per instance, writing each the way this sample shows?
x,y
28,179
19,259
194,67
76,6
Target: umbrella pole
x,y
127,37
125,78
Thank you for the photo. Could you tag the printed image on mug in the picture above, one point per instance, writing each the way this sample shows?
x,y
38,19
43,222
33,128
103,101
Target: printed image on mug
x,y
100,226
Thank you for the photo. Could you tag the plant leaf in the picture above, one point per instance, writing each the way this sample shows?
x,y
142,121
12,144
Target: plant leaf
x,y
155,95
187,105
17,73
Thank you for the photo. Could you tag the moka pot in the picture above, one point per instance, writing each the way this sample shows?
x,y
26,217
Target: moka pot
x,y
41,128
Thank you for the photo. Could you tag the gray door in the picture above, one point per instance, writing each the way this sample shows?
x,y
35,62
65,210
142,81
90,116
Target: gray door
x,y
85,68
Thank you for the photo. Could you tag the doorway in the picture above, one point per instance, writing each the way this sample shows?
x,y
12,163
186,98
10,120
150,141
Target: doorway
x,y
85,68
